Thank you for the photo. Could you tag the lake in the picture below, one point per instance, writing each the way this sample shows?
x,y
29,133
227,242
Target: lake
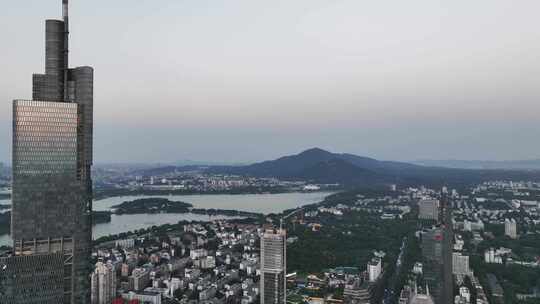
x,y
260,203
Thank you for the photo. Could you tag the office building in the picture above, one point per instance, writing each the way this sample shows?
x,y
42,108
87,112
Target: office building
x,y
510,228
103,282
460,264
273,267
52,187
428,209
374,269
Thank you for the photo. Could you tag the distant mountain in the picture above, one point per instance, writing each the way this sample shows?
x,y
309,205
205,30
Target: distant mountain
x,y
292,166
338,171
533,164
322,166
318,165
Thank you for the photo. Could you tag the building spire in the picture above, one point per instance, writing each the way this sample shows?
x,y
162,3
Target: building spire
x,y
65,15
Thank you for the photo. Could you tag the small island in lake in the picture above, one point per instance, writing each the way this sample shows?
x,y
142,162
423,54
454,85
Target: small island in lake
x,y
163,205
152,205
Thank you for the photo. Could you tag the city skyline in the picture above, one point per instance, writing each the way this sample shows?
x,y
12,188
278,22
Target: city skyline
x,y
345,100
400,82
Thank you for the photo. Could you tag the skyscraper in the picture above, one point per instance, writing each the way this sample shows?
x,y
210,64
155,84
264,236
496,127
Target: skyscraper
x,y
273,267
52,186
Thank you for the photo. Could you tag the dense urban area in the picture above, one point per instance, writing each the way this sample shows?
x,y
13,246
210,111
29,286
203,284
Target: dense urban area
x,y
363,245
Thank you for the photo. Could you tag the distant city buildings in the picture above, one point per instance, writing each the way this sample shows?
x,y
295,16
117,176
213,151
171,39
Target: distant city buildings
x,y
125,243
273,267
311,188
428,209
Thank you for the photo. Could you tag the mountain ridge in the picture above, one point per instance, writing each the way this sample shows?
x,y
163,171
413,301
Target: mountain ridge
x,y
321,166
316,165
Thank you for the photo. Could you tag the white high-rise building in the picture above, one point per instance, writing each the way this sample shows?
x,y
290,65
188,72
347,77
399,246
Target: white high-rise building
x,y
374,269
429,209
103,285
273,267
510,228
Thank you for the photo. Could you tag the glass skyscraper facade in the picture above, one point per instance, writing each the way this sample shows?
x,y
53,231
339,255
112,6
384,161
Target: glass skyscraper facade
x,y
52,186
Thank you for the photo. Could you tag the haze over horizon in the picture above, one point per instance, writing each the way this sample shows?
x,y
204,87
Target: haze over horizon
x,y
244,81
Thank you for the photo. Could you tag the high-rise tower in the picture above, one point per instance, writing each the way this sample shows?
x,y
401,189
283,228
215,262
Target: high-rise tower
x,y
52,186
273,267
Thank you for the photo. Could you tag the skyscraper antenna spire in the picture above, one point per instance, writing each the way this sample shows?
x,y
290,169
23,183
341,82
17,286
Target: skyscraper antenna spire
x,y
65,15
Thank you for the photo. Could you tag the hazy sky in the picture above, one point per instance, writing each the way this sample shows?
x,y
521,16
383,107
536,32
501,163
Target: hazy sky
x,y
250,80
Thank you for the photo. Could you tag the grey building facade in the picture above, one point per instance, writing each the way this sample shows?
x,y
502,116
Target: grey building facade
x,y
52,186
273,267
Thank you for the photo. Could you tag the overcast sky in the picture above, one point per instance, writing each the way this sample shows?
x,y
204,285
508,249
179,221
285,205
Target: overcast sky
x,y
252,80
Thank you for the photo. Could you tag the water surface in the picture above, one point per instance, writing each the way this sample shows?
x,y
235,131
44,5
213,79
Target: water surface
x,y
260,203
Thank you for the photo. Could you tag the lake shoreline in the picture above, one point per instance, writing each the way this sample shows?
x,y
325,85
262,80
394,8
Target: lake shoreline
x,y
236,204
98,195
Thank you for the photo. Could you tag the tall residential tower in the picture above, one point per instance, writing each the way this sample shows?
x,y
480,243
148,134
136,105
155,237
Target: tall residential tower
x,y
273,267
52,186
